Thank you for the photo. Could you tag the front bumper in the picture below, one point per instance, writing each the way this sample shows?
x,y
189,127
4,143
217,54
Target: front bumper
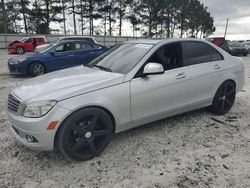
x,y
37,128
18,69
12,50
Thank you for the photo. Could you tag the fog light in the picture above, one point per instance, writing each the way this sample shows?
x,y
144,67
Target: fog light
x,y
30,138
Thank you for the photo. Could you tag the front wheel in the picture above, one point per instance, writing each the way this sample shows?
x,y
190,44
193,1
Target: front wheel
x,y
36,69
85,133
20,50
224,98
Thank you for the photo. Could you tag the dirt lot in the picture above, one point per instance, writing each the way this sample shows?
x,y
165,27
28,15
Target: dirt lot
x,y
196,149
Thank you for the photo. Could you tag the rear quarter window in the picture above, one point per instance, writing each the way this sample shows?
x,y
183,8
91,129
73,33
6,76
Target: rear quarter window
x,y
40,40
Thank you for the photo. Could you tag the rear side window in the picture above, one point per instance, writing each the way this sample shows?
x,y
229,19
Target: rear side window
x,y
198,52
86,46
40,40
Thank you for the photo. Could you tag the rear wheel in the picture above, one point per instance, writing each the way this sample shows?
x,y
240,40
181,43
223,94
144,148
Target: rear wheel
x,y
36,69
224,98
20,50
245,54
85,134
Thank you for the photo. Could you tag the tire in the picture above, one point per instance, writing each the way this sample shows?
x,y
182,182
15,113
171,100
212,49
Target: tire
x,y
245,55
84,134
224,98
20,50
36,69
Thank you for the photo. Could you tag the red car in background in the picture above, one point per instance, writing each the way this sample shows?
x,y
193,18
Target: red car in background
x,y
27,44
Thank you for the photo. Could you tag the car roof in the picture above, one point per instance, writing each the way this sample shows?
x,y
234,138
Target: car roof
x,y
83,37
74,41
158,41
37,37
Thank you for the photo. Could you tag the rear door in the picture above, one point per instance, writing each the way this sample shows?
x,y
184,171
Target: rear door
x,y
205,70
86,52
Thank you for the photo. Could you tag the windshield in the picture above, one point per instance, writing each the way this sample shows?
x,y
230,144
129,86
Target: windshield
x,y
24,39
236,45
45,48
122,58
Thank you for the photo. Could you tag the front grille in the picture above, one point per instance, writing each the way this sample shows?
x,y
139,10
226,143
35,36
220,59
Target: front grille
x,y
13,103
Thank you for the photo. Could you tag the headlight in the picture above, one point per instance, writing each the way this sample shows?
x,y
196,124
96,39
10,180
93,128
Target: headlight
x,y
17,61
38,109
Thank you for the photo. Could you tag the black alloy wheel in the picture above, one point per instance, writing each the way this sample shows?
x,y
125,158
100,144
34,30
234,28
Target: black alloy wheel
x,y
224,98
85,133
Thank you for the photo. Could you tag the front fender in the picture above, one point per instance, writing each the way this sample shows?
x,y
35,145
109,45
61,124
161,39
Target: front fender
x,y
115,99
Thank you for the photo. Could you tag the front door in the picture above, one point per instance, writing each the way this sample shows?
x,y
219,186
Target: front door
x,y
157,96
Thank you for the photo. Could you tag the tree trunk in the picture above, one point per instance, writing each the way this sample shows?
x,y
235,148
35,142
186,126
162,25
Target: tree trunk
x,y
74,16
120,19
105,25
81,16
133,30
24,17
110,24
150,25
4,17
64,18
47,17
168,25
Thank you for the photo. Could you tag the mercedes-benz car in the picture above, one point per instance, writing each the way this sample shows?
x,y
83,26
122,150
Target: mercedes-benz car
x,y
77,110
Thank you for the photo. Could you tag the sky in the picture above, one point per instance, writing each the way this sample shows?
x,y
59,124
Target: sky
x,y
238,12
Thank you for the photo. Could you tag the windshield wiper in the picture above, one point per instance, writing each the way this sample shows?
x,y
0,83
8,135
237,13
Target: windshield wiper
x,y
103,68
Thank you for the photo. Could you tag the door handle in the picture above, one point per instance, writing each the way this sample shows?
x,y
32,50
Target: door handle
x,y
181,76
217,66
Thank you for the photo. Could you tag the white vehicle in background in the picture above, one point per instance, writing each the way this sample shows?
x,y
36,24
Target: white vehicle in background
x,y
247,45
60,39
79,109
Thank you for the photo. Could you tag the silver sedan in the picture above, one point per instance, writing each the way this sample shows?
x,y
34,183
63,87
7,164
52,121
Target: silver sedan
x,y
77,110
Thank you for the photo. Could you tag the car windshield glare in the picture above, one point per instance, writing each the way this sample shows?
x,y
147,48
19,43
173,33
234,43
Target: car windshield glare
x,y
45,48
122,58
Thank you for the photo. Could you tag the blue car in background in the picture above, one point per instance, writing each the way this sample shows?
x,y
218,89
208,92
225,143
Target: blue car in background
x,y
58,56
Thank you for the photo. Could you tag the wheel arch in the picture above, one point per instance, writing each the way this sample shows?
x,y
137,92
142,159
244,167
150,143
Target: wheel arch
x,y
227,80
36,61
91,106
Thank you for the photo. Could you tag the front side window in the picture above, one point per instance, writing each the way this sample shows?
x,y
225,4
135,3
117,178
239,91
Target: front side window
x,y
66,47
122,58
169,56
59,48
85,46
198,52
29,40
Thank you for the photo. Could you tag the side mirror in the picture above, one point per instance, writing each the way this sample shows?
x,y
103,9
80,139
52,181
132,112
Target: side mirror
x,y
153,68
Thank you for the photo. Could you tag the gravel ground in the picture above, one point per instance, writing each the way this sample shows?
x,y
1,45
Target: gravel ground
x,y
196,149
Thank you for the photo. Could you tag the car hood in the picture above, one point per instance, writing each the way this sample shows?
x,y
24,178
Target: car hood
x,y
14,42
66,83
25,56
